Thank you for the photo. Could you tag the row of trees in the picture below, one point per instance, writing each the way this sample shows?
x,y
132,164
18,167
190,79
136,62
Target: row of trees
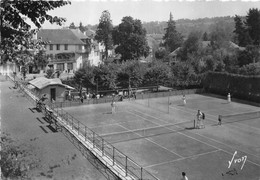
x,y
128,38
133,74
195,56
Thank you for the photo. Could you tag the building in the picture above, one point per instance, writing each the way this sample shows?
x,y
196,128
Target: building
x,y
67,49
53,88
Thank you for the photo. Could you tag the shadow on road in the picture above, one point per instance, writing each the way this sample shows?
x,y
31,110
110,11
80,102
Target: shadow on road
x,y
108,174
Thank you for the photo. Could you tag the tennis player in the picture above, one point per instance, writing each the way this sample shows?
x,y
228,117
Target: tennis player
x,y
184,100
113,106
199,116
229,98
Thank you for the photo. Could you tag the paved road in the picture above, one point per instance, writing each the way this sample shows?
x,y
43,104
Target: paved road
x,y
56,151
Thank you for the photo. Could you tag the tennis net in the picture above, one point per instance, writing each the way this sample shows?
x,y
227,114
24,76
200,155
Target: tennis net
x,y
147,132
240,117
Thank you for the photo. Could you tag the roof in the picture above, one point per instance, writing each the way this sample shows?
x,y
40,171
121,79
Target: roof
x,y
42,82
62,36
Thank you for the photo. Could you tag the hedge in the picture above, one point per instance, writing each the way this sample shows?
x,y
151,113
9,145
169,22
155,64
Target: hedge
x,y
239,86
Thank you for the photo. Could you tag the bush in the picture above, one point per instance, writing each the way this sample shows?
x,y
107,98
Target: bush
x,y
240,86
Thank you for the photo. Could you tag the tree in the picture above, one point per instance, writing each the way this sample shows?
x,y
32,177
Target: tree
x,y
191,45
107,75
130,74
104,32
253,25
85,77
160,53
241,33
205,36
72,26
81,27
184,75
16,159
172,38
157,73
130,38
15,29
40,59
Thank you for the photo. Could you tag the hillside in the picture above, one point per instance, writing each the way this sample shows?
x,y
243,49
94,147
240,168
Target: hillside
x,y
185,26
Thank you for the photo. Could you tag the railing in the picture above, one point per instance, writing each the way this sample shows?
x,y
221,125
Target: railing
x,y
123,166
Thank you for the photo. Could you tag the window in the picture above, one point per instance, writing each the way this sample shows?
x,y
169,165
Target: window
x,y
51,47
60,66
58,47
80,47
66,47
70,66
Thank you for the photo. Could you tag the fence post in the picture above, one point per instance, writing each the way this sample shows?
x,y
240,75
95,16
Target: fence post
x,y
93,139
85,133
141,173
78,127
125,165
72,123
113,155
102,147
168,104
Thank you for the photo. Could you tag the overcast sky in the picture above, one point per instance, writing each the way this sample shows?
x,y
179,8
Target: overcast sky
x,y
89,11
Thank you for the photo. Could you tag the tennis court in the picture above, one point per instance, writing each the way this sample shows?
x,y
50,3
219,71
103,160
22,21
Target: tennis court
x,y
158,134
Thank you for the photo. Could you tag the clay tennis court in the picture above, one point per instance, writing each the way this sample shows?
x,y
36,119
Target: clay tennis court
x,y
158,134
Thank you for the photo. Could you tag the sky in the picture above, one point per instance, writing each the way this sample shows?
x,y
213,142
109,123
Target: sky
x,y
89,11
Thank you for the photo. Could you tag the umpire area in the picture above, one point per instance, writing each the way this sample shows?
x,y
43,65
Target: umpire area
x,y
159,135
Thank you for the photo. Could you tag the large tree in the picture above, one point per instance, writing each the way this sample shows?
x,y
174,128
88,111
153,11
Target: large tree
x,y
157,73
247,32
15,28
241,33
104,32
130,38
253,25
172,38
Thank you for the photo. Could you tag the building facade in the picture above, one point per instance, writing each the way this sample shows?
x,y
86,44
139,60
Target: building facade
x,y
68,49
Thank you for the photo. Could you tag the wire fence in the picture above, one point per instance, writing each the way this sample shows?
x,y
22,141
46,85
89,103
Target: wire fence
x,y
123,166
147,95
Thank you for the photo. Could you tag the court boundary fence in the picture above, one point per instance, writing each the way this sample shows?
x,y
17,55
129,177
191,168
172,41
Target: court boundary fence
x,y
119,163
138,96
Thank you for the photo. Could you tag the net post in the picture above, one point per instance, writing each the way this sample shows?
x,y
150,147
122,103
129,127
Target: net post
x,y
194,123
72,123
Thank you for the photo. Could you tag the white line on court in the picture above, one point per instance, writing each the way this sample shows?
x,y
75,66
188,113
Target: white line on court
x,y
212,119
156,144
194,138
212,140
196,155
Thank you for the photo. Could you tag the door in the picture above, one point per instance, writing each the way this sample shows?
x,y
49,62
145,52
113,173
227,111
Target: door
x,y
53,94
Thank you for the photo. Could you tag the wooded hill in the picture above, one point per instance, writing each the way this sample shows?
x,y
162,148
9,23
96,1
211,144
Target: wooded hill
x,y
185,26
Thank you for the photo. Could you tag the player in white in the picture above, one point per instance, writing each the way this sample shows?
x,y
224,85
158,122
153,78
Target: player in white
x,y
199,116
184,100
229,98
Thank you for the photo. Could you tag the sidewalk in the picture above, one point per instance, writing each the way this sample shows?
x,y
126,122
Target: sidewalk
x,y
57,155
